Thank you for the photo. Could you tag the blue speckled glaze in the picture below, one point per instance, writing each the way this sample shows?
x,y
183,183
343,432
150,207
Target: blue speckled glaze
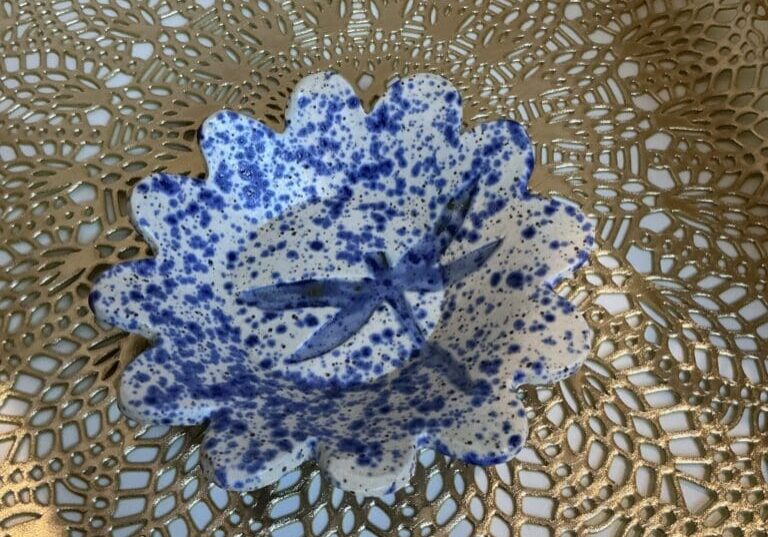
x,y
351,290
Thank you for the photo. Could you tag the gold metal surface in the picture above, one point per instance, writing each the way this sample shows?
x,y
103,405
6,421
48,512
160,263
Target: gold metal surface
x,y
638,108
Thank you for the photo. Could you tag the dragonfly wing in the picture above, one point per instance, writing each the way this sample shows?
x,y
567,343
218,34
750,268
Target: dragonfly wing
x,y
467,264
342,326
421,278
433,245
304,294
376,261
452,217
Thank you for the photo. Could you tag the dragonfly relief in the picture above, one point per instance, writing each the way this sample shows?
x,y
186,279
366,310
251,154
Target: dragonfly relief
x,y
418,269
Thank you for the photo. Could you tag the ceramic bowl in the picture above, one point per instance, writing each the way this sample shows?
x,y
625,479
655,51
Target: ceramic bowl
x,y
353,289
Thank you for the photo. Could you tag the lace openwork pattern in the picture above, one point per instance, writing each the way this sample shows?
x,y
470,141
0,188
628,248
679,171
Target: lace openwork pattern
x,y
653,115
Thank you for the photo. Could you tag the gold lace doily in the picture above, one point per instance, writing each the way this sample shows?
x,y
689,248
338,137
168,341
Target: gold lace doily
x,y
651,114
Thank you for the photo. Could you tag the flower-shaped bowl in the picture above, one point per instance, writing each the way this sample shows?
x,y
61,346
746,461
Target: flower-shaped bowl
x,y
351,290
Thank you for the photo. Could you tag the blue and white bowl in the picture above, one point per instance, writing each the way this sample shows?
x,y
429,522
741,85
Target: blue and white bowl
x,y
353,289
